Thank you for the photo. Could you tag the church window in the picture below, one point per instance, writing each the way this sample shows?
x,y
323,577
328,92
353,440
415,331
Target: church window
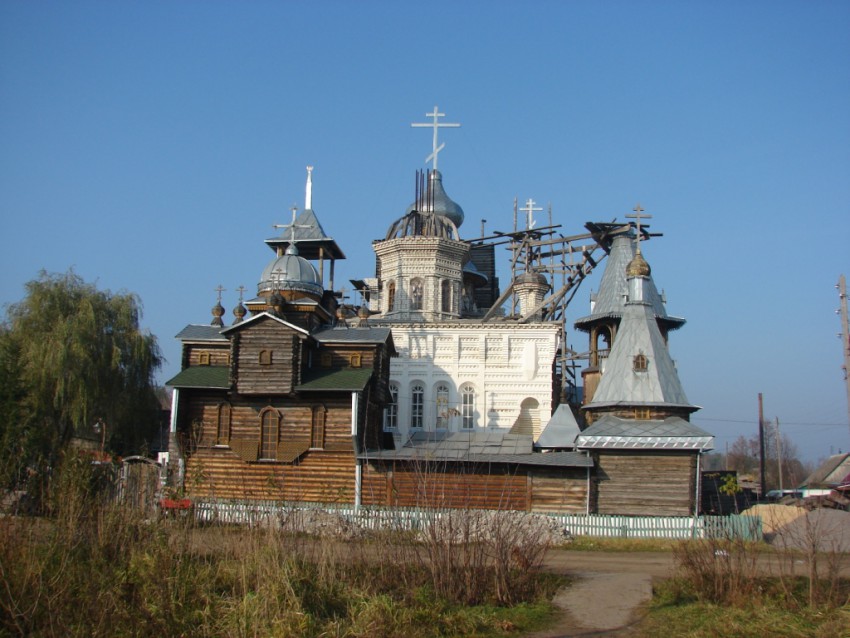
x,y
269,432
642,414
446,295
417,406
204,358
467,407
223,424
640,363
317,431
390,296
442,395
355,361
325,360
391,413
417,293
265,357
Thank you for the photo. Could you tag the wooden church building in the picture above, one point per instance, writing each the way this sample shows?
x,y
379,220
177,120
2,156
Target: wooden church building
x,y
423,395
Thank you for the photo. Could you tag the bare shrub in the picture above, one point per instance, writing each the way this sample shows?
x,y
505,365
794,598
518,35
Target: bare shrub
x,y
719,571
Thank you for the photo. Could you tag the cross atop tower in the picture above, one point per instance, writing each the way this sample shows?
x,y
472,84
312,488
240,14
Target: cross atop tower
x,y
292,226
220,290
241,291
436,124
529,211
637,216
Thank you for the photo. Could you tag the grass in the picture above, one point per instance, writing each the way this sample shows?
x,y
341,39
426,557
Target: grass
x,y
676,612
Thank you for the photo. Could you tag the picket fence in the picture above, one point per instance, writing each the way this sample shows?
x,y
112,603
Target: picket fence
x,y
732,526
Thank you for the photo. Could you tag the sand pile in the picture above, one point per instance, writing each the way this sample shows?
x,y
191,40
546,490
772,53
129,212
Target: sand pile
x,y
791,527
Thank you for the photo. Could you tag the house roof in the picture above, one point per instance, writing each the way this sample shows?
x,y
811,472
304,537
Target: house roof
x,y
477,447
673,433
260,317
201,332
217,377
342,379
832,473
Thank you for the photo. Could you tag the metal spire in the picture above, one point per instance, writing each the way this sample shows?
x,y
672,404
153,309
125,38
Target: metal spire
x,y
436,124
308,199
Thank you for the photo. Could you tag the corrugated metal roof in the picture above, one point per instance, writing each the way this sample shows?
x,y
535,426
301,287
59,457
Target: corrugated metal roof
x,y
201,332
217,377
345,379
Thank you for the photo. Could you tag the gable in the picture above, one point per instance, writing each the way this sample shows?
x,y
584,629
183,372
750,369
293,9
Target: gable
x,y
267,356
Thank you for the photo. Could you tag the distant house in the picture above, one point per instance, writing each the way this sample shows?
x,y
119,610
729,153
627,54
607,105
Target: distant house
x,y
833,474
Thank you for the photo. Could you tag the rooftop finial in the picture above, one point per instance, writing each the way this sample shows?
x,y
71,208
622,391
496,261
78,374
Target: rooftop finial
x,y
436,124
308,199
292,226
529,210
637,216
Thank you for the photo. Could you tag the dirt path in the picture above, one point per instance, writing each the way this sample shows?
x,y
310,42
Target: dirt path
x,y
608,590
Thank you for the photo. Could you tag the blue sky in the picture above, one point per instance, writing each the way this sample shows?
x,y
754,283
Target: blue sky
x,y
152,145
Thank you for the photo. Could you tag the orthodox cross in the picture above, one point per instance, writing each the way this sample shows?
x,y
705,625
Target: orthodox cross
x,y
292,226
529,213
241,291
220,290
637,216
436,124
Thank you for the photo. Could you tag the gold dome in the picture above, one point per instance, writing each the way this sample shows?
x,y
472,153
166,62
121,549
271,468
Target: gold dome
x,y
638,267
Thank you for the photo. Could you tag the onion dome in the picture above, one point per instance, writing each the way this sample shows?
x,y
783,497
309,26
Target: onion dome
x,y
417,224
473,275
239,312
217,313
638,267
290,273
438,202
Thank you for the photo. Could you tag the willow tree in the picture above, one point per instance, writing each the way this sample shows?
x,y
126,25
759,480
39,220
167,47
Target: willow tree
x,y
77,356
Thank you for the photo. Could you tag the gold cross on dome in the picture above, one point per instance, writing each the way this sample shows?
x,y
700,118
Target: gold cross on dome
x,y
637,216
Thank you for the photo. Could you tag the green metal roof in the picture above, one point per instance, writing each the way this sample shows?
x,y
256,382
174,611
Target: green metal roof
x,y
202,377
348,379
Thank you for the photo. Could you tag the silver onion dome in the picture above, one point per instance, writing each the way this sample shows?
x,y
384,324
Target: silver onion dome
x,y
436,201
290,272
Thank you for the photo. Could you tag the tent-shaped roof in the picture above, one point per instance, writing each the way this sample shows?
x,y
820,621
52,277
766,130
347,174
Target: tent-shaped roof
x,y
310,237
561,431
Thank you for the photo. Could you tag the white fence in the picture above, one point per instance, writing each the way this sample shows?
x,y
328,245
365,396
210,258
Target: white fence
x,y
373,518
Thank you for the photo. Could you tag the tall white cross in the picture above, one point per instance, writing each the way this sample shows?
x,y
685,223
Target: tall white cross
x,y
529,210
436,124
637,216
292,226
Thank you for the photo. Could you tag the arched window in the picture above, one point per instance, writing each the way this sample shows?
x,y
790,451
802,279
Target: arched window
x,y
446,295
390,296
417,293
265,357
391,413
467,407
417,406
222,436
269,432
441,392
640,363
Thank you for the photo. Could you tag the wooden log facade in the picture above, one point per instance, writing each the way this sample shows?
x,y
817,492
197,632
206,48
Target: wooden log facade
x,y
645,483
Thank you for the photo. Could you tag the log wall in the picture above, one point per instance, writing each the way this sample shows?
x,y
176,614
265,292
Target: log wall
x,y
281,374
646,483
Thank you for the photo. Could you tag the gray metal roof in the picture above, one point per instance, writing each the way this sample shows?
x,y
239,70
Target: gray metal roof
x,y
352,335
613,288
310,237
201,332
260,317
621,384
477,447
561,431
673,433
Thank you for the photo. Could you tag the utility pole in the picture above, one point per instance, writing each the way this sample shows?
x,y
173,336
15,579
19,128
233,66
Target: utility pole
x,y
779,453
762,484
845,337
